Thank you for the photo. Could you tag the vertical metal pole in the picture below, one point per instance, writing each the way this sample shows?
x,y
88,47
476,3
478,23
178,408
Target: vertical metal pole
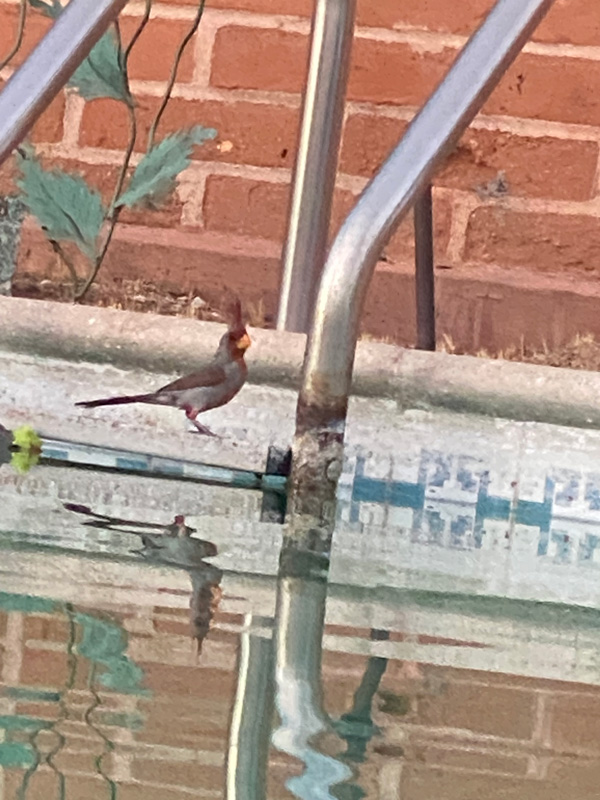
x,y
316,163
424,270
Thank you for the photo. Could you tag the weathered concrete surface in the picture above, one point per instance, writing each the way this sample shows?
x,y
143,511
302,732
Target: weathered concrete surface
x,y
414,379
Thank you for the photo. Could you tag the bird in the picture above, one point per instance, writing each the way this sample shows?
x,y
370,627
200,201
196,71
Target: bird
x,y
211,387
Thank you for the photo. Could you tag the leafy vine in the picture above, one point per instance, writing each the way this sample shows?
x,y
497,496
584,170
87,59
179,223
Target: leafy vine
x,y
65,205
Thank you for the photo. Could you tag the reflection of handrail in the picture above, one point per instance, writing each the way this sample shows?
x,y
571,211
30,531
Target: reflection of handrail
x,y
50,65
299,622
389,195
251,718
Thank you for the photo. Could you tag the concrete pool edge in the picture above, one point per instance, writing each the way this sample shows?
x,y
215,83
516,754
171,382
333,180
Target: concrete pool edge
x,y
415,379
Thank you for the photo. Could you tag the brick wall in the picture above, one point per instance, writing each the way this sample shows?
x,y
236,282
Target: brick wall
x,y
497,254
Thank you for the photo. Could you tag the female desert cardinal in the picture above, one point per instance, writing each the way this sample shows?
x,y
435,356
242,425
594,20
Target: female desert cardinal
x,y
210,387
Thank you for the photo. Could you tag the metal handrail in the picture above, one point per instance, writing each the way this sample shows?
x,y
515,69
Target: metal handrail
x,y
50,65
424,270
315,169
327,373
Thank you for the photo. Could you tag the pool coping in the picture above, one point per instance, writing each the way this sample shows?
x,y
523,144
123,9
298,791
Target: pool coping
x,y
414,379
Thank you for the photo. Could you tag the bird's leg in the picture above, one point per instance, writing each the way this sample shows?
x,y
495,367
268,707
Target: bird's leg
x,y
191,414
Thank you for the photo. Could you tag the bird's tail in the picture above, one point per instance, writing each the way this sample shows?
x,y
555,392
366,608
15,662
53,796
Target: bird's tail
x,y
117,401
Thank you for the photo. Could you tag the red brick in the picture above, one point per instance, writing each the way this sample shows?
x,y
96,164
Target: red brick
x,y
185,721
367,141
392,72
437,673
244,58
426,783
8,175
152,56
492,710
188,682
575,772
207,263
563,89
535,167
35,27
44,710
142,791
472,759
67,760
171,612
51,629
243,125
43,784
435,15
381,72
46,668
246,207
560,169
552,88
179,773
172,626
497,235
49,127
258,208
571,21
575,723
302,8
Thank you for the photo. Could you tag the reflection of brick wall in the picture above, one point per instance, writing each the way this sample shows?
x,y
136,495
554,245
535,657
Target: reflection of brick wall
x,y
457,734
243,75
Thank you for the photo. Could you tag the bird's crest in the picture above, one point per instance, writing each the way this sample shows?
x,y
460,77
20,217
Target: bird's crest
x,y
236,323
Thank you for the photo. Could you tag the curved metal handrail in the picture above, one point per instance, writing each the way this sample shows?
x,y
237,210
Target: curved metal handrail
x,y
388,197
50,65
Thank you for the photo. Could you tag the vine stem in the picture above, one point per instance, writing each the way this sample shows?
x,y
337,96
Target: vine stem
x,y
114,210
20,32
173,76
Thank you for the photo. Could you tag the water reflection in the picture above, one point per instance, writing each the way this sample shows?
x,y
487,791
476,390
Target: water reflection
x,y
284,674
304,689
171,544
304,726
35,721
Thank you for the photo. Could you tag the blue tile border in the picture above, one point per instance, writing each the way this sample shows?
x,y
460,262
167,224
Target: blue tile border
x,y
451,504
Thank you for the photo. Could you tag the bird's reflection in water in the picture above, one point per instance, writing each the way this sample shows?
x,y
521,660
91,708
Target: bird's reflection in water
x,y
171,544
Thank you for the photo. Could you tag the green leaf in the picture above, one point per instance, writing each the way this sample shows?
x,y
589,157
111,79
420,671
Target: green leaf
x,y
52,9
155,177
101,74
63,203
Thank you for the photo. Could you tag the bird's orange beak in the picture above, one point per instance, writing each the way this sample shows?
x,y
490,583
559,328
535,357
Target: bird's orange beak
x,y
244,342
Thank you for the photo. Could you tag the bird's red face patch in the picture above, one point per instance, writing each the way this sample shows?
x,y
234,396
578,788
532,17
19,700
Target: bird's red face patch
x,y
243,342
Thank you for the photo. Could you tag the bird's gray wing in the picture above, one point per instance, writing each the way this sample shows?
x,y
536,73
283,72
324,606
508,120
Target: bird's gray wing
x,y
211,375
